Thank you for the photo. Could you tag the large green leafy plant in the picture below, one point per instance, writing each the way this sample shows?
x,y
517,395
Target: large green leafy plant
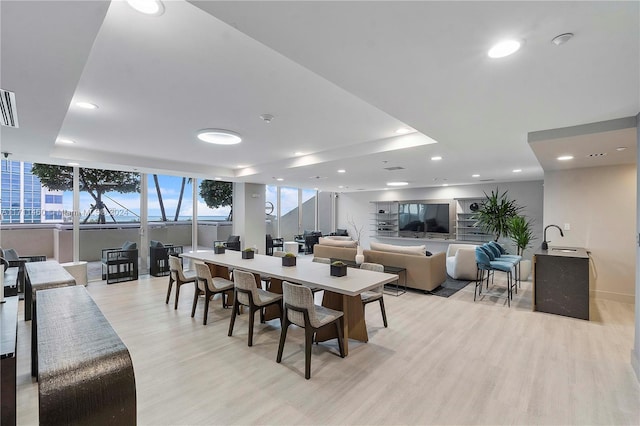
x,y
495,213
520,233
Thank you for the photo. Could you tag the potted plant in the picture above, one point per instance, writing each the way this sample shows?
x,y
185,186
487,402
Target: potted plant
x,y
494,214
247,253
289,259
338,269
219,248
521,235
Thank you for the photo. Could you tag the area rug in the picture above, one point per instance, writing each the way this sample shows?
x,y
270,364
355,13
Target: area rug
x,y
449,287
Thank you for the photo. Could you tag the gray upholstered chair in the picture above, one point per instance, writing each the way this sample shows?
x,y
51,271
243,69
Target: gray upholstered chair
x,y
248,294
322,260
209,286
177,275
279,253
376,293
300,310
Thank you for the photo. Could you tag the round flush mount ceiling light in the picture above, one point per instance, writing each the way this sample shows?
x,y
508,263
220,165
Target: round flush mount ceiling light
x,y
219,136
562,39
148,7
475,175
565,157
402,131
397,183
436,158
65,141
517,170
504,48
86,105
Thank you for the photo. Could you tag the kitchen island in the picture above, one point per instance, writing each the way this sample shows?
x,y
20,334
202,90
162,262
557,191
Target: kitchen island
x,y
561,281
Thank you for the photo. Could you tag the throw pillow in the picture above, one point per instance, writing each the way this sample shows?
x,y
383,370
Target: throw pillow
x,y
413,250
336,243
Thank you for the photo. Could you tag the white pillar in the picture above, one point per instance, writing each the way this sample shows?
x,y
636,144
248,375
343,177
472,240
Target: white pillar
x,y
144,223
249,220
76,214
194,219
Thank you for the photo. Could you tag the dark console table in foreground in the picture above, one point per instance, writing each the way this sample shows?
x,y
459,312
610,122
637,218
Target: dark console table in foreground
x,y
561,281
85,374
8,334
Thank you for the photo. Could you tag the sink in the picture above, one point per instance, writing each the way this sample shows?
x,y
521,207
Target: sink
x,y
564,250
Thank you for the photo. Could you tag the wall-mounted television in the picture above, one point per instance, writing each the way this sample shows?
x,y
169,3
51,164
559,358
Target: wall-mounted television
x,y
423,217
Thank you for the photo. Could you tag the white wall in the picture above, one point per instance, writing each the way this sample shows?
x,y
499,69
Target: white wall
x,y
357,205
635,352
599,203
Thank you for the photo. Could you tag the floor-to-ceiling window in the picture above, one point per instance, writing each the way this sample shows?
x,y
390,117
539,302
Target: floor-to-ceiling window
x,y
308,204
271,210
289,216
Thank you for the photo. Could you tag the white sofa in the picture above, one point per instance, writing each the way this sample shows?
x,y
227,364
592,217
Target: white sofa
x,y
461,261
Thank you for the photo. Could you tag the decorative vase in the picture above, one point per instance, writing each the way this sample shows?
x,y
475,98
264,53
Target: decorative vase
x,y
525,270
359,255
338,271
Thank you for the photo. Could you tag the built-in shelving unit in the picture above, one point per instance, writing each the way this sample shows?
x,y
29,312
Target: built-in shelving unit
x,y
384,219
466,228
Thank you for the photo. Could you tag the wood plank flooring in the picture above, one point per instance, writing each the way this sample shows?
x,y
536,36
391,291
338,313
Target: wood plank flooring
x,y
441,361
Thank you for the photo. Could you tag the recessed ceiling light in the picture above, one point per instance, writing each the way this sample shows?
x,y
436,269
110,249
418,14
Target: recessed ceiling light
x,y
342,171
562,39
517,170
436,158
73,164
565,157
298,153
445,184
476,175
397,183
279,179
86,105
504,48
219,136
217,178
148,7
315,189
267,118
65,141
241,166
403,131
621,148
340,186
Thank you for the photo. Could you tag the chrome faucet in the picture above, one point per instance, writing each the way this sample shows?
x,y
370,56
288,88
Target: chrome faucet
x,y
545,246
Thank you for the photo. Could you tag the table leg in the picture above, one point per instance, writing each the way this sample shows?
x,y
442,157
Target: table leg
x,y
272,312
28,299
354,324
34,342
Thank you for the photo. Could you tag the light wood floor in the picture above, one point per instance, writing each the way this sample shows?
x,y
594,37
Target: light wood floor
x,y
441,361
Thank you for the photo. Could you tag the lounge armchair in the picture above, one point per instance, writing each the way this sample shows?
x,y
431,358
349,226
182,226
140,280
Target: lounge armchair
x,y
15,261
159,257
232,243
120,264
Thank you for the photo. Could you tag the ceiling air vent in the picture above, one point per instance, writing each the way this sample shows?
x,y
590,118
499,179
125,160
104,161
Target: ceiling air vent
x,y
394,168
8,107
486,180
596,155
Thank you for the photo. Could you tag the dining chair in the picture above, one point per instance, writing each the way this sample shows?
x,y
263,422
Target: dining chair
x,y
248,294
377,293
210,286
300,310
180,277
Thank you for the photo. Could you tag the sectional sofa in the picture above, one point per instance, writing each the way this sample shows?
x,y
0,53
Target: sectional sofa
x,y
423,272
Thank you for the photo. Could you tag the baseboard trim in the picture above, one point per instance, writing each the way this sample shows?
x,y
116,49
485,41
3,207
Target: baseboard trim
x,y
609,295
635,363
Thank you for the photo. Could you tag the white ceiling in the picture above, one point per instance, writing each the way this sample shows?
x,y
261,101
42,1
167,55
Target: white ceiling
x,y
339,77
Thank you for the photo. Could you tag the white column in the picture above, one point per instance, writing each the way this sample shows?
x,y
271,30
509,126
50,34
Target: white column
x,y
194,219
144,223
248,215
76,214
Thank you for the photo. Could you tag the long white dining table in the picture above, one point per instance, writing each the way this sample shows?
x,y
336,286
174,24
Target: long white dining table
x,y
340,293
